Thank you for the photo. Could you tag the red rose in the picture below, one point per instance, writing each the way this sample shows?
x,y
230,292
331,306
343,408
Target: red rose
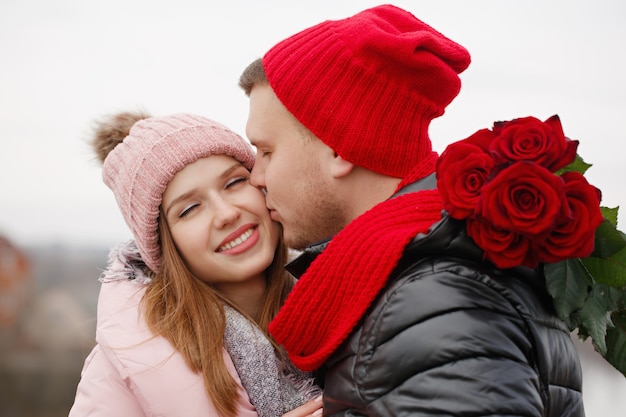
x,y
481,138
462,170
501,247
523,198
574,236
530,139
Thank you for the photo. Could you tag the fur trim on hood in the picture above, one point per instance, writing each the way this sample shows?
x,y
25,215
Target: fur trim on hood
x,y
125,263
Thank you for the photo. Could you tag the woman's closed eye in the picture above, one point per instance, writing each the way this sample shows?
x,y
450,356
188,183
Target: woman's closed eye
x,y
187,210
237,180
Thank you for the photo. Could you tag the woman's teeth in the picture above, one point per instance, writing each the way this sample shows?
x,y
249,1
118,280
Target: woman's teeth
x,y
244,236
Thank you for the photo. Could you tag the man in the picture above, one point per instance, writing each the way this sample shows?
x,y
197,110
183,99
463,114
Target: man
x,y
394,305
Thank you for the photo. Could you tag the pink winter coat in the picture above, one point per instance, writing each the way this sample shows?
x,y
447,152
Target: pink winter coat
x,y
131,373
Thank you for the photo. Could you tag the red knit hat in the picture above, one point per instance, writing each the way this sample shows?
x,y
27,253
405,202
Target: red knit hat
x,y
369,85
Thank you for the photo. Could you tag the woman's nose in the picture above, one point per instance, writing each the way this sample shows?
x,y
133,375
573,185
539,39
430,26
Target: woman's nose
x,y
225,212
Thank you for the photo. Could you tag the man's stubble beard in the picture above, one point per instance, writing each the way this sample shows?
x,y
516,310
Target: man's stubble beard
x,y
319,215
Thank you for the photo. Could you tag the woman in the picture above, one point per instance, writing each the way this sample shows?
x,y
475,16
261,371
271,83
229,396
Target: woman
x,y
184,307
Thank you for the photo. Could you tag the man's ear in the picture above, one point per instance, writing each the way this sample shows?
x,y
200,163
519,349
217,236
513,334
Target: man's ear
x,y
340,167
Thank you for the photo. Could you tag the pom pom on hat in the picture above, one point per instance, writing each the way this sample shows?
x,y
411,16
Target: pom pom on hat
x,y
369,85
139,169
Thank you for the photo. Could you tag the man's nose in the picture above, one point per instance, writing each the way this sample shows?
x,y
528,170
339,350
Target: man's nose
x,y
257,176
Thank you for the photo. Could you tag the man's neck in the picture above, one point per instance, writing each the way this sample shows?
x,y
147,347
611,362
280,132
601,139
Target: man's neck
x,y
366,188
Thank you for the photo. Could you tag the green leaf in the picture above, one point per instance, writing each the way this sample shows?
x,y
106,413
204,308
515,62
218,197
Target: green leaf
x,y
575,323
578,165
610,214
596,316
608,240
616,343
610,271
568,283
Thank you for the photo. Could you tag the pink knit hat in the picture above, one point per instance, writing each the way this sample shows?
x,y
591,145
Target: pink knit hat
x,y
368,86
139,169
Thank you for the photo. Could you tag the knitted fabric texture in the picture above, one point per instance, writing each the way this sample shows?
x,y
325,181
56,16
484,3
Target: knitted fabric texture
x,y
369,85
274,387
342,282
139,169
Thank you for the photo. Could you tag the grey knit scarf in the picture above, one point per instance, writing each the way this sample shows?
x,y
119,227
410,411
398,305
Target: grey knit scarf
x,y
275,386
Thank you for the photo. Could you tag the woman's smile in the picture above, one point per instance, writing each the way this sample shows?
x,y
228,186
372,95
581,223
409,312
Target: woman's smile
x,y
241,241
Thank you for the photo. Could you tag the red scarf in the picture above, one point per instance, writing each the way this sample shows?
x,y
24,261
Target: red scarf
x,y
341,283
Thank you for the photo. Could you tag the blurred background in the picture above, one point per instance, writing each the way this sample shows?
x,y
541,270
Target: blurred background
x,y
66,63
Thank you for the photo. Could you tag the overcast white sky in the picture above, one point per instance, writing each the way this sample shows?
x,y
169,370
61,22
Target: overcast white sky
x,y
65,63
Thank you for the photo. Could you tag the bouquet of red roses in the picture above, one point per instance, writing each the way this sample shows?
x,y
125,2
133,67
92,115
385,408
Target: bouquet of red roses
x,y
521,191
519,210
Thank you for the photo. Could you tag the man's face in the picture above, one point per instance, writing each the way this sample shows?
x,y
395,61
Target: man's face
x,y
291,166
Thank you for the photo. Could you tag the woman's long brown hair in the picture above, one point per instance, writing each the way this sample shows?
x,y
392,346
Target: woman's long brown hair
x,y
190,314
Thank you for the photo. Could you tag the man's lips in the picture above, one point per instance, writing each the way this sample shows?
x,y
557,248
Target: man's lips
x,y
273,214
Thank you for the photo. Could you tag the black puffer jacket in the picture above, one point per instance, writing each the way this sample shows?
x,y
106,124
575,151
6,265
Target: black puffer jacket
x,y
452,336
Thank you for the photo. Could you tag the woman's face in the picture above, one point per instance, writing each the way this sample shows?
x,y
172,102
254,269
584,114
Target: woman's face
x,y
219,222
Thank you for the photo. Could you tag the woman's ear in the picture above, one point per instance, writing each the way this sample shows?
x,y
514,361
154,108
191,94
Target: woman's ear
x,y
340,167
